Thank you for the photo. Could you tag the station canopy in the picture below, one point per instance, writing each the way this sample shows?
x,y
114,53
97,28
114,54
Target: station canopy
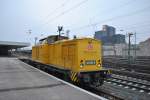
x,y
13,45
5,46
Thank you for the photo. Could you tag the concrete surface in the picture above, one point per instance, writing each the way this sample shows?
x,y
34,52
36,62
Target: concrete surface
x,y
19,81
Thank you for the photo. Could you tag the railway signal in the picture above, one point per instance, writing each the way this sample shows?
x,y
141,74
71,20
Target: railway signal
x,y
129,48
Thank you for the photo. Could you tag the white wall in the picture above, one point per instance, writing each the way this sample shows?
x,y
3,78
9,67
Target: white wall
x,y
116,49
143,49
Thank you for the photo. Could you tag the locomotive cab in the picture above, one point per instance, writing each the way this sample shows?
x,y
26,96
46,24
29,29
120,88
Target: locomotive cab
x,y
90,63
89,55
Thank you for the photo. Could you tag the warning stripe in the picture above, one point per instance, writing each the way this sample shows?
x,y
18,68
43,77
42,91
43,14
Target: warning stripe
x,y
74,77
109,72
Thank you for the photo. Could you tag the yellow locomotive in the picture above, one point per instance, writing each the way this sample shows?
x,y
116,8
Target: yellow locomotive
x,y
78,59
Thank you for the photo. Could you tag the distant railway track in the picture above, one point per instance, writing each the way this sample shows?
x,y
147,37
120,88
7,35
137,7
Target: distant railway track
x,y
130,82
143,76
143,68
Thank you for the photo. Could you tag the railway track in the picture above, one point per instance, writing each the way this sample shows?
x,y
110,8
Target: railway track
x,y
143,76
139,86
102,92
138,65
90,88
121,82
132,67
134,84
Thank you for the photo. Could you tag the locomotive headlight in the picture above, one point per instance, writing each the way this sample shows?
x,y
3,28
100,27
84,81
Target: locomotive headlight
x,y
81,65
99,65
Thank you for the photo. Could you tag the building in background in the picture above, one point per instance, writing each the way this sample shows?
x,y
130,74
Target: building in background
x,y
108,36
118,39
110,31
115,44
144,48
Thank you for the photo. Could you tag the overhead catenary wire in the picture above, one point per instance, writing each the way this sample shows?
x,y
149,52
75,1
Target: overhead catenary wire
x,y
135,26
112,10
54,11
114,18
46,18
94,24
65,12
116,7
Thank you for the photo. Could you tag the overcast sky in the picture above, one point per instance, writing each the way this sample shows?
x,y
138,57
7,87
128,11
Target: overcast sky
x,y
81,17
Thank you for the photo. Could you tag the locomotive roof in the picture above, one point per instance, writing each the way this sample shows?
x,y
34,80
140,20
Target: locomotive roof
x,y
53,36
65,40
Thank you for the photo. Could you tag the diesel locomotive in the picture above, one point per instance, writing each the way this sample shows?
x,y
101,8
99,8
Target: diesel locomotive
x,y
79,60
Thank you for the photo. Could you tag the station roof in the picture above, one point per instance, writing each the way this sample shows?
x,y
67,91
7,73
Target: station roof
x,y
13,45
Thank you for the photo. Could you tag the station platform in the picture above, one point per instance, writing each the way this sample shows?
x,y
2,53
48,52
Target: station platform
x,y
20,81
